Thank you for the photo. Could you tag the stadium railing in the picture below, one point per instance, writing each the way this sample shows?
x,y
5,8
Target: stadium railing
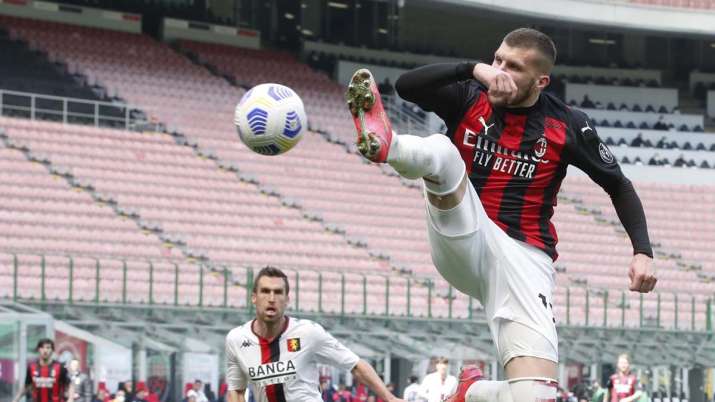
x,y
181,284
73,110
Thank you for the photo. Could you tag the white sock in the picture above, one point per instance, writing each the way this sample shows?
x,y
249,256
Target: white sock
x,y
433,158
516,390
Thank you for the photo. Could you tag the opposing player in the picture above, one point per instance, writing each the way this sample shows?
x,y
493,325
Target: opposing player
x,y
623,386
491,186
278,354
46,378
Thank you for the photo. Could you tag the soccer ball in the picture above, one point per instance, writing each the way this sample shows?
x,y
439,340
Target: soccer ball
x,y
270,119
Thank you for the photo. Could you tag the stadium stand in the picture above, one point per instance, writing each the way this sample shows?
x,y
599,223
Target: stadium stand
x,y
170,87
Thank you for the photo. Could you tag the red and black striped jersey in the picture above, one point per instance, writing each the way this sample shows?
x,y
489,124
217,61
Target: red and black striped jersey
x,y
48,382
516,158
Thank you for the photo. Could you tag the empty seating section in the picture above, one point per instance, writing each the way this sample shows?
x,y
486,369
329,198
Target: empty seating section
x,y
41,214
237,225
323,97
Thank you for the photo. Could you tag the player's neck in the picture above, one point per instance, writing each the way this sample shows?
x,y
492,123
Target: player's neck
x,y
269,330
528,102
44,362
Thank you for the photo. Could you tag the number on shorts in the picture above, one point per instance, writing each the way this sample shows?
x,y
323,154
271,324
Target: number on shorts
x,y
548,306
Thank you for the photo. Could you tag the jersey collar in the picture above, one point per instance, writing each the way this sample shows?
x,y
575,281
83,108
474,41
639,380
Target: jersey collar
x,y
261,339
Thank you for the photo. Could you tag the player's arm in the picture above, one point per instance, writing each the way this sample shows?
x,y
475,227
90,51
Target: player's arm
x,y
329,351
436,88
365,374
235,378
590,154
236,395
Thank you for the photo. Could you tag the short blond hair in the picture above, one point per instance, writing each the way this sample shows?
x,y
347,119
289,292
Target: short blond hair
x,y
624,356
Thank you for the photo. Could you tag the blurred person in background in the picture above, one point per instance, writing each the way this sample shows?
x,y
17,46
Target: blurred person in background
x,y
197,391
440,384
82,383
343,394
623,385
412,391
142,394
102,393
598,393
46,378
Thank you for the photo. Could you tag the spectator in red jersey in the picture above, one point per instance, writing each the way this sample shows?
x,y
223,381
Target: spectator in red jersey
x,y
142,394
102,393
623,386
46,378
343,395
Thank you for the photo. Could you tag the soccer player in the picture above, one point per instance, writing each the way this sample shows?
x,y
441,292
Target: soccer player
x,y
47,378
623,386
278,354
439,384
491,185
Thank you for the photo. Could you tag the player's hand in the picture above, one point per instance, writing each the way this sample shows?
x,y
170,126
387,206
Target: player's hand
x,y
641,273
502,88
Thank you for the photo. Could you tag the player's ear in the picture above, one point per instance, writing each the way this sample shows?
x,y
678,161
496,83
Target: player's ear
x,y
543,81
253,297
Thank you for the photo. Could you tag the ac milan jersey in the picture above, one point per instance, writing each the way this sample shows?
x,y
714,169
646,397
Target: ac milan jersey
x,y
622,386
285,369
48,382
516,159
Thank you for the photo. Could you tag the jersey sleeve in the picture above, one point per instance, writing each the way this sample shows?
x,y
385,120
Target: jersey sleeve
x,y
590,154
441,88
235,377
329,350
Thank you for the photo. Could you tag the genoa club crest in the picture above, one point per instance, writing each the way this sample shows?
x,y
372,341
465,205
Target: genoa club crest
x,y
293,344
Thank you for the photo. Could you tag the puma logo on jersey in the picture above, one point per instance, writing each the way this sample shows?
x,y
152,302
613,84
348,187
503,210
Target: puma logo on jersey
x,y
587,128
484,123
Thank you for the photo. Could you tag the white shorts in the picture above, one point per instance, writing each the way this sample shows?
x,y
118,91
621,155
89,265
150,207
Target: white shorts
x,y
513,280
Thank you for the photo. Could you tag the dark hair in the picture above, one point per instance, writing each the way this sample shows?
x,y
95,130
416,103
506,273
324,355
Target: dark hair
x,y
413,379
271,272
45,341
532,39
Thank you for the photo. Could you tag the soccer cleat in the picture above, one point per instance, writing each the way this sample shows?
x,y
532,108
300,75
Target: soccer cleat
x,y
373,126
468,376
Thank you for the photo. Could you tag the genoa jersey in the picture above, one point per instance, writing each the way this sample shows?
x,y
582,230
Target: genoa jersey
x,y
516,159
622,386
284,369
48,382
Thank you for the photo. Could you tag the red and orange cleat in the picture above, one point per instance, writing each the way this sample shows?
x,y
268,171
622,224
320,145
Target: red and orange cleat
x,y
468,376
373,126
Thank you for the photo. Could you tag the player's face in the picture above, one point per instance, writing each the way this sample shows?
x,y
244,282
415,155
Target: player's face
x,y
523,67
623,365
45,351
270,299
74,366
441,368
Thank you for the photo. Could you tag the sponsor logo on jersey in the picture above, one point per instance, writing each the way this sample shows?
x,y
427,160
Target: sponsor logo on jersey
x,y
293,344
605,153
272,373
246,344
43,382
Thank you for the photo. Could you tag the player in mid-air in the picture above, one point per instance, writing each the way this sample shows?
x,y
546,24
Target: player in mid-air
x,y
623,385
278,354
491,185
47,379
